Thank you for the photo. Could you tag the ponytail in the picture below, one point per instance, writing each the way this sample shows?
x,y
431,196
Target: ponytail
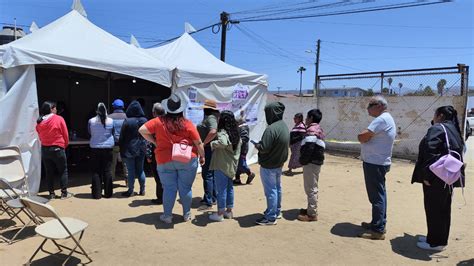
x,y
46,109
102,112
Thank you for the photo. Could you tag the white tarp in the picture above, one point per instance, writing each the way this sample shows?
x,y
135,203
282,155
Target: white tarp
x,y
71,40
199,76
19,113
196,65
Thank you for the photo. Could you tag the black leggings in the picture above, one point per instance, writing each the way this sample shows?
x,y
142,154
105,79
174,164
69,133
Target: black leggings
x,y
437,199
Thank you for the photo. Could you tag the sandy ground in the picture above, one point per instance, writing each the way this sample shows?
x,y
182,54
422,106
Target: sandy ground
x,y
126,231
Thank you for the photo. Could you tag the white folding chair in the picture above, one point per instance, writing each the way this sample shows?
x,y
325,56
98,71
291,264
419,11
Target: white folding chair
x,y
14,206
56,229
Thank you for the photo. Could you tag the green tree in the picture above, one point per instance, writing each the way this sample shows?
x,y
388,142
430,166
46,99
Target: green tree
x,y
369,92
400,86
440,86
428,91
385,91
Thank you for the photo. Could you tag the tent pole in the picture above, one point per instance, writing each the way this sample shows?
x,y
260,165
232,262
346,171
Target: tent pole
x,y
108,91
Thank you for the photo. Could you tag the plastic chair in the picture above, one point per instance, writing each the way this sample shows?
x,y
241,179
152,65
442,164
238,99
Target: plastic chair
x,y
56,229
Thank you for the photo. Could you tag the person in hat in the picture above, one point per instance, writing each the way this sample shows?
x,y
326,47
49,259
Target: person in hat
x,y
175,176
118,116
208,132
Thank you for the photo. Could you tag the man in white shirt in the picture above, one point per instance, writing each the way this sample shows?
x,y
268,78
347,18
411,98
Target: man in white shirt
x,y
376,152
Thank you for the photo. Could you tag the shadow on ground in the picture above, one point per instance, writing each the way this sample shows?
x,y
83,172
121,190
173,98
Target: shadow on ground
x,y
406,246
469,262
26,233
290,215
58,259
153,219
346,230
248,221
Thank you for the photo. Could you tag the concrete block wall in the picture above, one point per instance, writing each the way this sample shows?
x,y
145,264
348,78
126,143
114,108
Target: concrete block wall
x,y
345,117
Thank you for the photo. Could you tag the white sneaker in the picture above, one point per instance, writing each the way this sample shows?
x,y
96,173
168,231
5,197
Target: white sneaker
x,y
424,245
216,217
228,215
279,216
422,239
187,217
166,219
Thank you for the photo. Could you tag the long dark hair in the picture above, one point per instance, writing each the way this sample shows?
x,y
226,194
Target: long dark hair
x,y
449,114
315,115
102,112
228,123
45,109
173,122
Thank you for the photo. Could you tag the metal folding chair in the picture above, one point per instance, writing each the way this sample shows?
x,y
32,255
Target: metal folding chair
x,y
15,207
56,229
13,185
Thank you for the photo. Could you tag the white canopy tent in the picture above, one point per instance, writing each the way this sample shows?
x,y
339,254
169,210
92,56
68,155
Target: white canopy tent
x,y
199,75
71,40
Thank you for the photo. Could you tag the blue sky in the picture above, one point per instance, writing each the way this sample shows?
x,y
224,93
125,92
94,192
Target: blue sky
x,y
441,34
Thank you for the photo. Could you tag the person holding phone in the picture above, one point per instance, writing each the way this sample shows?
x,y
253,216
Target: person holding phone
x,y
272,154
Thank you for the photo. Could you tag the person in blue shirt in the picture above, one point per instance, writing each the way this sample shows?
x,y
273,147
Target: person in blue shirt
x,y
376,153
101,129
118,116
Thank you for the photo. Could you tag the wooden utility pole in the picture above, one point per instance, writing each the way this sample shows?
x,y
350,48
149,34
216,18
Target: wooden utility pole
x,y
224,21
316,76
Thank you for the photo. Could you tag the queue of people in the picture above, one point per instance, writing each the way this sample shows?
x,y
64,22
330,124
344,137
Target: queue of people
x,y
220,144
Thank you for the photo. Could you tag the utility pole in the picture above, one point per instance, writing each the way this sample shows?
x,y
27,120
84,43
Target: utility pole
x,y
224,21
278,89
316,77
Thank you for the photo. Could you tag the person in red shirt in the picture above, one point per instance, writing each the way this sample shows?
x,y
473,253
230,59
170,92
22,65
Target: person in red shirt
x,y
54,138
175,176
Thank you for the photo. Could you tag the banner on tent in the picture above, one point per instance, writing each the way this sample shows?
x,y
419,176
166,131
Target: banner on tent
x,y
246,101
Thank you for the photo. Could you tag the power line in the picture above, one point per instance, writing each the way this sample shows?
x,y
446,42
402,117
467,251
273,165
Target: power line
x,y
402,47
390,25
354,11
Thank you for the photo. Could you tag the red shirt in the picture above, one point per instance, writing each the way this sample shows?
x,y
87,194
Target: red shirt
x,y
53,132
164,145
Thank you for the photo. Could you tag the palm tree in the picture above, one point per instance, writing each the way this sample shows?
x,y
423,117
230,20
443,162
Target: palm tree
x,y
400,86
300,70
390,80
440,86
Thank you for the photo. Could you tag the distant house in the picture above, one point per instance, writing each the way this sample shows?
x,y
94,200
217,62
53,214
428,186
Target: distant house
x,y
342,92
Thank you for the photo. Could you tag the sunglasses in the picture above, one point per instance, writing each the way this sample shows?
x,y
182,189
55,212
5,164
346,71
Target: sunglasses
x,y
371,105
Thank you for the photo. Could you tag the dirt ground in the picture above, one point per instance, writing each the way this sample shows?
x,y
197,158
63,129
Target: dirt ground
x,y
127,231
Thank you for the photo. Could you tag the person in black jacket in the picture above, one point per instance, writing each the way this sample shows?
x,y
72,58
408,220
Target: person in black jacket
x,y
438,195
297,134
312,158
242,167
133,147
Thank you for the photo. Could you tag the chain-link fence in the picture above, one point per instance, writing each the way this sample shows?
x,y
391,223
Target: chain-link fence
x,y
412,95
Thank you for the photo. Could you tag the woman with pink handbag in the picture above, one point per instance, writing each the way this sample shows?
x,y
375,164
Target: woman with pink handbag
x,y
177,147
443,137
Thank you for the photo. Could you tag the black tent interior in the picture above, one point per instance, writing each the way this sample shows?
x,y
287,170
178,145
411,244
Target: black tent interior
x,y
81,89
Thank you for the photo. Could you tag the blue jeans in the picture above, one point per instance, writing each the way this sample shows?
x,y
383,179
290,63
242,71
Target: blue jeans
x,y
242,167
225,191
208,179
375,184
177,177
271,180
135,169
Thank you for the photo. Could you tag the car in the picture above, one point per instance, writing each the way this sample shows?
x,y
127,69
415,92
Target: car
x,y
470,123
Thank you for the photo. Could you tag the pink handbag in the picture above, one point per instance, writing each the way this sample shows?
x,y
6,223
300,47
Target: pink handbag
x,y
180,152
448,167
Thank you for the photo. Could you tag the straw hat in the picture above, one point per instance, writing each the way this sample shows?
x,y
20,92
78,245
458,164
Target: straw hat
x,y
210,104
